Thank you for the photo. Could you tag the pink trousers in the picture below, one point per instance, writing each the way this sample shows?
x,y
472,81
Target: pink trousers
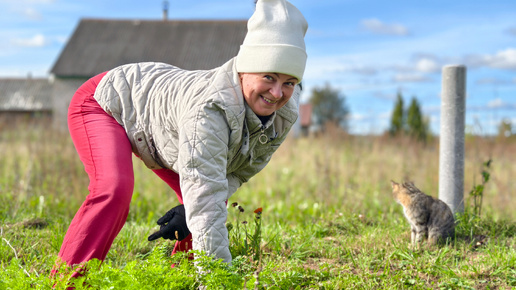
x,y
105,151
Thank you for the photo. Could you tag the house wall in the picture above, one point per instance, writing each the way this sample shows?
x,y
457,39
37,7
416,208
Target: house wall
x,y
62,93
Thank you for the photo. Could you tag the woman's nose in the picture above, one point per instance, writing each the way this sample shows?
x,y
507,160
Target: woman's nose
x,y
276,91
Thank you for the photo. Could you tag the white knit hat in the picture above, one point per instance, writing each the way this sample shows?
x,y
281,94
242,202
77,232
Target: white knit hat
x,y
274,40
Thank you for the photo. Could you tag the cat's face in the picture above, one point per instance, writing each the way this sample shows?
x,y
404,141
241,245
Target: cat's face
x,y
395,189
399,193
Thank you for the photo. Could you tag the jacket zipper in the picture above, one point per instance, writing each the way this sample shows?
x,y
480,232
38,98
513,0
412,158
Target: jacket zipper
x,y
262,138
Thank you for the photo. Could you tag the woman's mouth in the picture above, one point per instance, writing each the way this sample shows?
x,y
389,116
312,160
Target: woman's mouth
x,y
269,101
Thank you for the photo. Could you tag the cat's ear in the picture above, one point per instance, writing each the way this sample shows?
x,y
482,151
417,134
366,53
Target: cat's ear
x,y
394,185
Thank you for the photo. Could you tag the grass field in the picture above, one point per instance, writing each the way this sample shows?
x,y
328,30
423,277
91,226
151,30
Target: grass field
x,y
328,220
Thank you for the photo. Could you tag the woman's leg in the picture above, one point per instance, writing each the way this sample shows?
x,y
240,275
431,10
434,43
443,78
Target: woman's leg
x,y
105,151
172,179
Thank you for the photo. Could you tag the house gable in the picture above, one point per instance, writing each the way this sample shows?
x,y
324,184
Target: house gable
x,y
100,45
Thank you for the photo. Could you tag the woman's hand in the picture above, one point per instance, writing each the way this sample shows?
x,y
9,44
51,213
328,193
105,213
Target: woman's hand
x,y
172,225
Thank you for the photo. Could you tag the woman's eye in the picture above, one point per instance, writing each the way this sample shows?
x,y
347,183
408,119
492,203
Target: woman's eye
x,y
268,77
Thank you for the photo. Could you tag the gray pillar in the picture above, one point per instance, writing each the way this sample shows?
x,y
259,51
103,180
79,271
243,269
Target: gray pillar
x,y
451,151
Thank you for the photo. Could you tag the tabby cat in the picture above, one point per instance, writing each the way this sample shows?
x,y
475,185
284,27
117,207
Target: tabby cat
x,y
429,218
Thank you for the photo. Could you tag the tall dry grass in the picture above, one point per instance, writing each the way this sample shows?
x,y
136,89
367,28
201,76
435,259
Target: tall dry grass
x,y
334,172
352,173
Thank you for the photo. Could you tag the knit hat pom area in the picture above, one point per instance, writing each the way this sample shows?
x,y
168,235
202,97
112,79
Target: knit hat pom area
x,y
275,40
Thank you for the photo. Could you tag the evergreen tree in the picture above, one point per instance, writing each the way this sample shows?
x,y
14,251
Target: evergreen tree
x,y
411,121
417,126
398,117
329,106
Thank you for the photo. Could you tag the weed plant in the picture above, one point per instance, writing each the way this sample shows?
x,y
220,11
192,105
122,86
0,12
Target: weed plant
x,y
328,220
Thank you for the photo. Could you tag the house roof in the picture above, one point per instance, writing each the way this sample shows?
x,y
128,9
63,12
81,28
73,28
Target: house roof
x,y
100,45
25,95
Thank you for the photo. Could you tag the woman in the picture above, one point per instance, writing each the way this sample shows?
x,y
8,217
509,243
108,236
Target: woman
x,y
203,132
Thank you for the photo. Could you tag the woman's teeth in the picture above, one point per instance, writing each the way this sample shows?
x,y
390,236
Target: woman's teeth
x,y
268,100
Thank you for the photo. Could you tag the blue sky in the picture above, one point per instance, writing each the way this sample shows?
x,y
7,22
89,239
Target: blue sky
x,y
369,50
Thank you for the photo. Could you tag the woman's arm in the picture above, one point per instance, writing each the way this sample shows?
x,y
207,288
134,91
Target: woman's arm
x,y
202,160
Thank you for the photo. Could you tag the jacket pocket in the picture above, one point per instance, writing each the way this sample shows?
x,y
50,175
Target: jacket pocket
x,y
146,151
263,154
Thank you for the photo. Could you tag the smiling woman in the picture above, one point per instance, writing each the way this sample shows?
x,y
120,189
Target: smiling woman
x,y
204,132
267,93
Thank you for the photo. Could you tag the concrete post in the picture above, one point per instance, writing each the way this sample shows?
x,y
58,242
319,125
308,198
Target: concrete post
x,y
451,151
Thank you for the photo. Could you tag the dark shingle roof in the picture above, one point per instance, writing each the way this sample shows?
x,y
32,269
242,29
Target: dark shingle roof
x,y
100,45
25,95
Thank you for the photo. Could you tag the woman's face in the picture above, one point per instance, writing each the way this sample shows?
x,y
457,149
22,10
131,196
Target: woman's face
x,y
266,93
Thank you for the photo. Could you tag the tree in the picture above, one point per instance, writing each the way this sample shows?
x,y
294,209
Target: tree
x,y
505,128
411,122
329,106
417,126
398,116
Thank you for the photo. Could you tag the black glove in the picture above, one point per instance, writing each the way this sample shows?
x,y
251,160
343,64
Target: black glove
x,y
172,225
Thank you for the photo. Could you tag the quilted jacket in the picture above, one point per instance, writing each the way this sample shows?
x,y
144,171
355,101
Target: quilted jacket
x,y
197,124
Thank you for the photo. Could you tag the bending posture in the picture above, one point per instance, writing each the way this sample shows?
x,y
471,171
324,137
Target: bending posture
x,y
203,132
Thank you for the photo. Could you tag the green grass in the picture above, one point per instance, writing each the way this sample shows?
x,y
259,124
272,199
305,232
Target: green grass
x,y
328,221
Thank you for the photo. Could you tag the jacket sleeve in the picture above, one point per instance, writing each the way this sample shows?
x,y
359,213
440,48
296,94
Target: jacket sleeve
x,y
259,160
234,183
202,160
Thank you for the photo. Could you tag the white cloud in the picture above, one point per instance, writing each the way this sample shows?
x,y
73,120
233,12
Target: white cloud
x,y
364,70
495,81
32,14
37,40
376,26
382,95
358,117
358,69
496,103
420,65
411,78
504,59
427,65
61,39
368,116
492,105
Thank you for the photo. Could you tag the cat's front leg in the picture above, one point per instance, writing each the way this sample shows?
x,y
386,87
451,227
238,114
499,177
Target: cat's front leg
x,y
413,236
421,233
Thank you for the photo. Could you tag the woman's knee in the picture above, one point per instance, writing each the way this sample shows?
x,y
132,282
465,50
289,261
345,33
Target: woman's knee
x,y
117,189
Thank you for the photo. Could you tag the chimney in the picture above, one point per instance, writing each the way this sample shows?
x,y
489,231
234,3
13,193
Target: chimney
x,y
165,10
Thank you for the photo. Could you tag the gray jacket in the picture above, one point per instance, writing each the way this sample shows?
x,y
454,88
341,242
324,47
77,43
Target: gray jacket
x,y
197,124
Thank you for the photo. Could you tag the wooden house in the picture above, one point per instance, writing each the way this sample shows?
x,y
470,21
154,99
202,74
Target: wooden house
x,y
25,96
98,45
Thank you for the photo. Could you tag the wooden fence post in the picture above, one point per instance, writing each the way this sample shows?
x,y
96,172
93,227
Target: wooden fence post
x,y
451,142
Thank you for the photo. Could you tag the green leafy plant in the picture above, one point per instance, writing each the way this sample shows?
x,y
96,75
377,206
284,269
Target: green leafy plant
x,y
477,193
470,223
244,239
